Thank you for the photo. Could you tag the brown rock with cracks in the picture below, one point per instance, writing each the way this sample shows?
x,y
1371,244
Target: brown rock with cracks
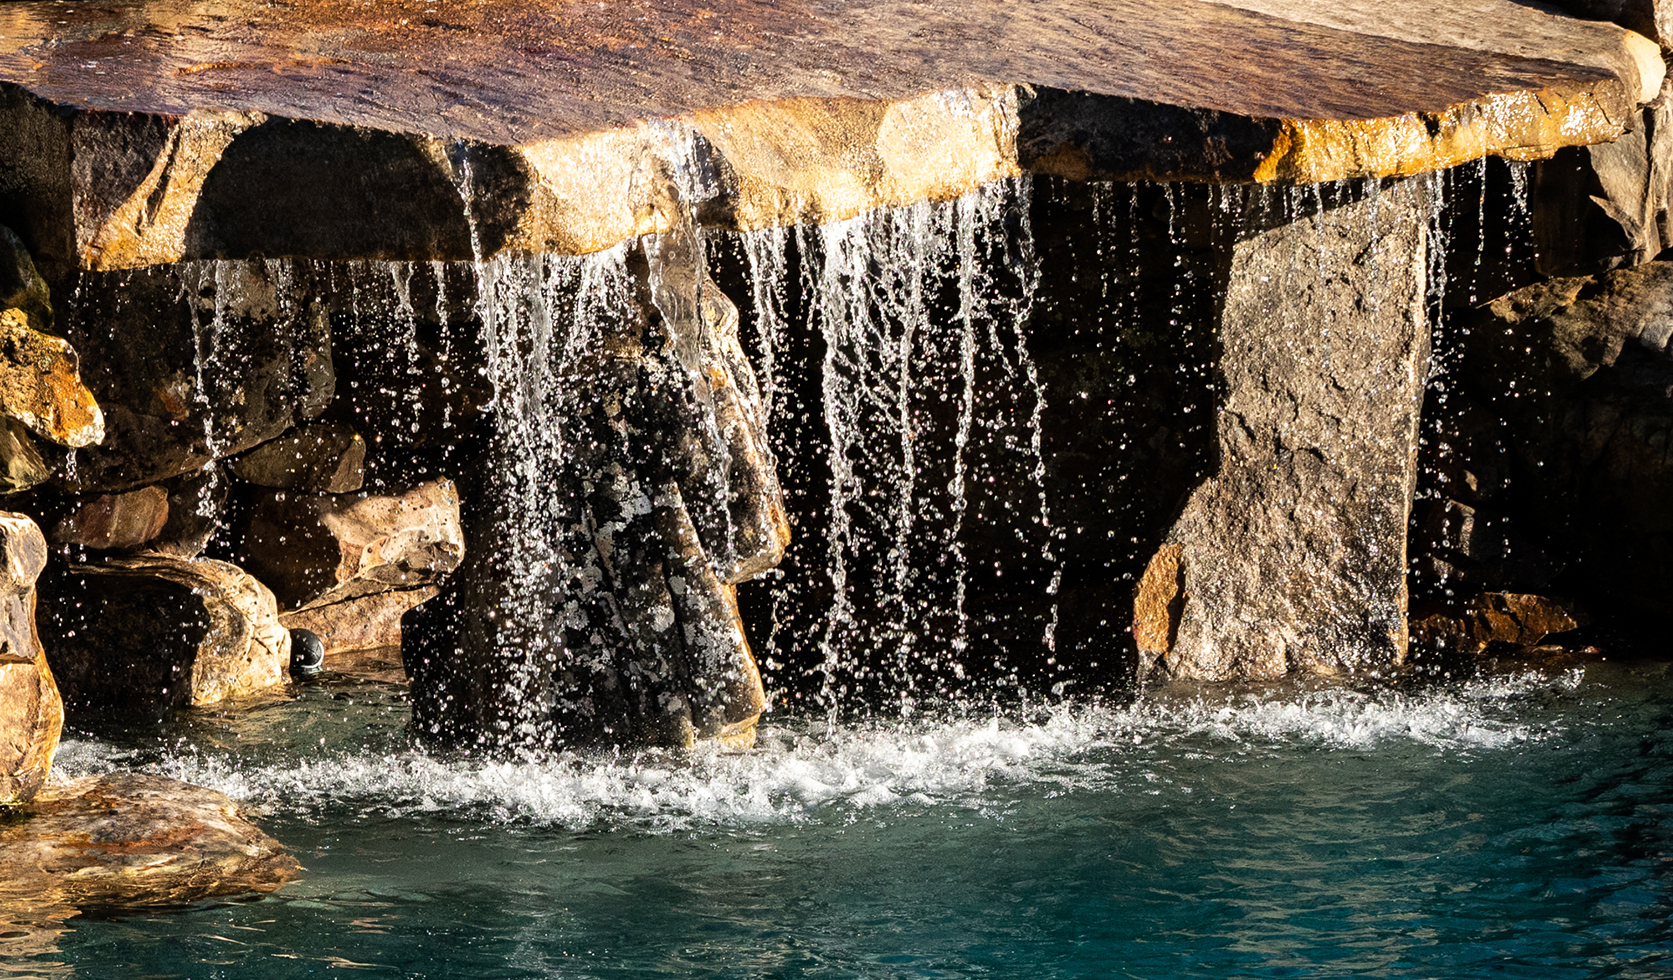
x,y
1293,553
367,622
152,633
31,714
319,458
115,520
131,841
321,549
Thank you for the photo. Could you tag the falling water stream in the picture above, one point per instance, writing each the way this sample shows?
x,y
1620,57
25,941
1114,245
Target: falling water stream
x,y
969,403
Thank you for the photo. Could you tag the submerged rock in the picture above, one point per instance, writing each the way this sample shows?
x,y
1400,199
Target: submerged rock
x,y
152,633
131,841
31,714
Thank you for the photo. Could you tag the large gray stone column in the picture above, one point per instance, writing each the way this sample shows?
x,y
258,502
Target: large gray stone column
x,y
1291,557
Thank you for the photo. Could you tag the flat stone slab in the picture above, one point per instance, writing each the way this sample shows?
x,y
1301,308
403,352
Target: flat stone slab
x,y
570,126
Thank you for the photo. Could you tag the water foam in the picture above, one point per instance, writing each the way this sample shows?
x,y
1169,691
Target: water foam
x,y
809,771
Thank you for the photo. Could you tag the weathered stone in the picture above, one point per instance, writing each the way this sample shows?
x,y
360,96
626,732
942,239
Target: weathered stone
x,y
41,387
1157,603
21,286
31,714
131,841
21,462
366,622
152,633
323,549
116,520
1292,555
140,154
1581,372
194,363
1494,617
320,458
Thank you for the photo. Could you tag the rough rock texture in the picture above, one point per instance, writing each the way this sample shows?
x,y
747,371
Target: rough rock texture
x,y
1493,617
615,504
1292,555
367,622
137,145
322,458
115,520
1580,373
322,549
152,633
130,841
193,363
31,715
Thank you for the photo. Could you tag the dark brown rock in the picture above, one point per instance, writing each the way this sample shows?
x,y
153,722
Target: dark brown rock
x,y
115,520
1292,556
130,841
318,549
152,633
1581,372
320,458
194,363
197,511
1494,617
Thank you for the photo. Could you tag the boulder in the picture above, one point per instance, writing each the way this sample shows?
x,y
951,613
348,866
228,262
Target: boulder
x,y
132,841
197,511
31,715
152,633
1291,557
1580,371
21,286
318,549
366,622
115,520
320,458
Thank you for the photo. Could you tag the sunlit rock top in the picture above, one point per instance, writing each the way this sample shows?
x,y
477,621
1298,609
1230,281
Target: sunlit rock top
x,y
150,131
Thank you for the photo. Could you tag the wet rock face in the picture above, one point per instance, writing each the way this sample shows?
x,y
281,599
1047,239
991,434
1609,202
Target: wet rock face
x,y
194,363
1291,557
141,636
130,841
626,486
31,714
1578,374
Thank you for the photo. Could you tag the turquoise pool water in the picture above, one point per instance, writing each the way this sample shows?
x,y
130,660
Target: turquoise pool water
x,y
1515,826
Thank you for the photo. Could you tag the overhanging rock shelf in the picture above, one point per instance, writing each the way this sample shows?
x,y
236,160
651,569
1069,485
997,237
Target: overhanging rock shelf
x,y
143,140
